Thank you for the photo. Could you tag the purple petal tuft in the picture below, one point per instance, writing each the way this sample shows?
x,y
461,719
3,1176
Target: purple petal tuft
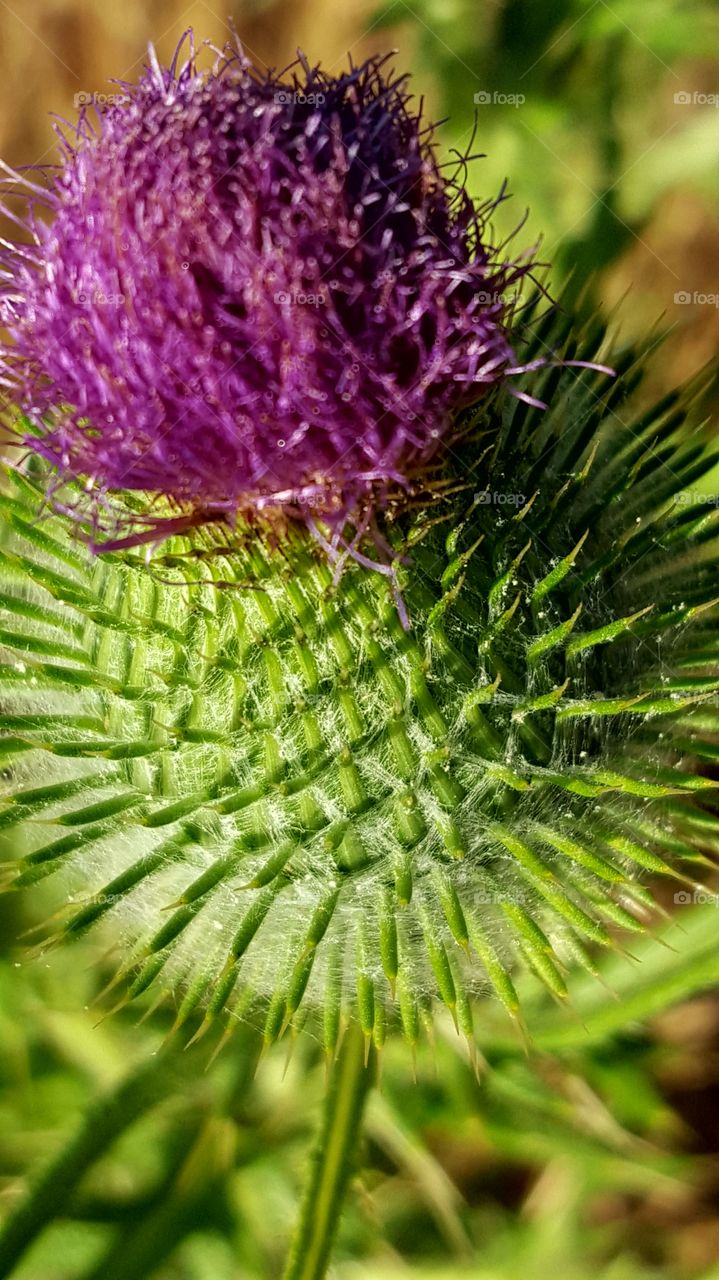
x,y
252,292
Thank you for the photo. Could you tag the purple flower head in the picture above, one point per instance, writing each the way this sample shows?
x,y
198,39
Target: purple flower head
x,y
253,292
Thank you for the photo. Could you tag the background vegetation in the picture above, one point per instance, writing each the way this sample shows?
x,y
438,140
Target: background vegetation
x,y
599,1156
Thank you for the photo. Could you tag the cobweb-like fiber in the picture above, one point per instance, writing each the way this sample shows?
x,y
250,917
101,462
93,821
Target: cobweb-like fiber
x,y
279,804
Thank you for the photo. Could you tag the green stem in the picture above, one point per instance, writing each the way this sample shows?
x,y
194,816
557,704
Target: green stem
x,y
50,1193
332,1162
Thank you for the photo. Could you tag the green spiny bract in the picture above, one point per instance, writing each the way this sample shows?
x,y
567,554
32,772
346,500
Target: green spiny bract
x,y
289,806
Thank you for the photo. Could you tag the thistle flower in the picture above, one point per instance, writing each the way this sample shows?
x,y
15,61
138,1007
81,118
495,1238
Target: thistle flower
x,y
285,800
283,804
254,292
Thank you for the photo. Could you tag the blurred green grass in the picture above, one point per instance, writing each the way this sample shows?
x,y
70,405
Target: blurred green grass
x,y
581,1159
574,104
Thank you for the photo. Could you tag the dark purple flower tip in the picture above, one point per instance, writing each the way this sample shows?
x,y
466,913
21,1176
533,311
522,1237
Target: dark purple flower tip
x,y
253,292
